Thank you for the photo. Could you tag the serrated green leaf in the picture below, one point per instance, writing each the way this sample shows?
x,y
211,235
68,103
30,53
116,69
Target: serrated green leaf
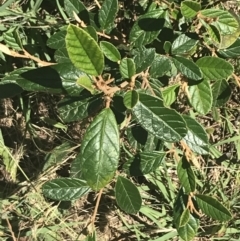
x,y
127,68
76,109
221,93
57,155
160,66
196,137
84,51
98,157
189,9
147,28
183,44
144,163
127,196
170,94
110,51
57,40
166,124
107,14
213,208
143,59
130,99
200,97
73,6
186,176
187,68
65,189
214,68
59,78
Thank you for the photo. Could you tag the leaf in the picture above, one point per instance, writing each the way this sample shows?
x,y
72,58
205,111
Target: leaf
x,y
127,196
187,68
224,21
56,79
99,153
147,28
57,40
65,189
184,217
9,89
232,51
57,155
76,109
214,68
127,68
12,39
186,176
144,162
86,83
73,6
187,229
165,124
61,56
110,51
170,94
130,99
213,208
143,59
189,9
200,97
183,44
84,51
196,137
160,66
107,14
221,93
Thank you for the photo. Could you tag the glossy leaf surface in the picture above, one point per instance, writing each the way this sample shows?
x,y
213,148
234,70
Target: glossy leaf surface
x,y
99,153
127,195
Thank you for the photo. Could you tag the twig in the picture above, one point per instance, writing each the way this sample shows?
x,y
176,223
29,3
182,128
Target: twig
x,y
11,230
97,3
96,207
26,55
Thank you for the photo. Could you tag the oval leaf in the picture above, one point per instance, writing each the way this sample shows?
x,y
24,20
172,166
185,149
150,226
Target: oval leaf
x,y
187,68
127,196
196,137
84,51
166,124
107,14
189,9
110,51
221,93
99,153
186,176
215,68
130,99
200,97
65,189
213,208
127,68
183,44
